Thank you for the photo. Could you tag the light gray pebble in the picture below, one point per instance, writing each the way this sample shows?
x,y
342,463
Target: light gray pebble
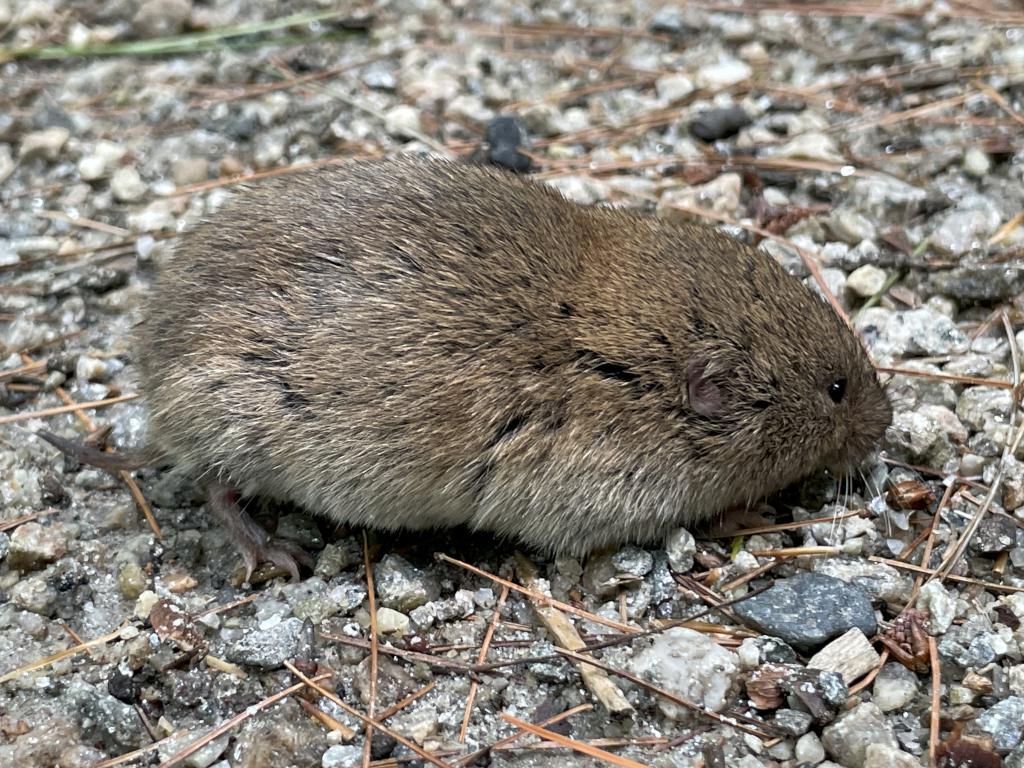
x,y
127,185
967,226
851,225
34,593
485,597
33,545
894,688
847,739
46,144
674,87
885,756
633,560
977,162
722,74
793,721
935,600
690,665
402,121
161,18
866,281
401,585
203,757
190,170
811,146
919,437
36,246
391,622
97,164
267,647
921,331
881,582
808,750
1003,721
158,215
342,756
337,557
979,406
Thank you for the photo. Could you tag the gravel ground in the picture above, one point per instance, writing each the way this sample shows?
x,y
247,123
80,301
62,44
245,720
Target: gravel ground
x,y
877,146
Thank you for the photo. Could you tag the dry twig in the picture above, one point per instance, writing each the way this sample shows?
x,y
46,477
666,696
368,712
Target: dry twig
x,y
565,634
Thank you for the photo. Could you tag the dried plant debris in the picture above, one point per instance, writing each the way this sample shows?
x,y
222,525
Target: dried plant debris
x,y
870,620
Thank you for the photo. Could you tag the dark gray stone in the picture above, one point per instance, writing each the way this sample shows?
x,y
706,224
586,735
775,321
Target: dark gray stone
x,y
716,124
808,610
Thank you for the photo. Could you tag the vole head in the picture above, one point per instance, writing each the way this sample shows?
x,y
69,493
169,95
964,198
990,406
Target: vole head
x,y
765,380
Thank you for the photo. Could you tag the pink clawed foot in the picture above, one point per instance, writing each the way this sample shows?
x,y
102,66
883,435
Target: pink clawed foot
x,y
253,543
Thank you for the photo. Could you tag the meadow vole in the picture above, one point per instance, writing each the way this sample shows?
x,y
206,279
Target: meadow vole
x,y
411,343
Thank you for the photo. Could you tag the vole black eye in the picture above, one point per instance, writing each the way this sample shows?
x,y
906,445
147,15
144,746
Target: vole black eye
x,y
837,389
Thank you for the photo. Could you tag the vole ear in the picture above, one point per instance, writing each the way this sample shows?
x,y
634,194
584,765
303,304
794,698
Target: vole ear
x,y
705,394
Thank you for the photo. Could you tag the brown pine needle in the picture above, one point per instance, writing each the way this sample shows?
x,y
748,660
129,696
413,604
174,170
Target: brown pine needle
x,y
394,709
46,412
74,636
474,756
932,572
999,100
242,716
55,657
28,368
347,734
14,522
1006,229
541,598
786,552
946,377
777,527
480,659
374,644
929,542
129,757
360,716
577,746
685,703
934,725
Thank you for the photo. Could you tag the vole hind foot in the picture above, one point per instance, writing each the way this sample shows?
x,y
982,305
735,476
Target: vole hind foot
x,y
253,543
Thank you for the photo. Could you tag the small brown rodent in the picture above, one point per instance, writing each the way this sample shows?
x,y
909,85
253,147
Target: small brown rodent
x,y
411,343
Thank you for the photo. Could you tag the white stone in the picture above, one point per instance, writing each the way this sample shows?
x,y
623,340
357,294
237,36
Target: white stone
x,y
391,622
714,77
809,750
894,688
811,146
127,185
884,756
866,281
672,88
935,600
402,121
692,666
46,144
977,162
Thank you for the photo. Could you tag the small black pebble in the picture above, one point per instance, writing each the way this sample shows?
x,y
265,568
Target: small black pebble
x,y
718,124
505,135
382,746
122,686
